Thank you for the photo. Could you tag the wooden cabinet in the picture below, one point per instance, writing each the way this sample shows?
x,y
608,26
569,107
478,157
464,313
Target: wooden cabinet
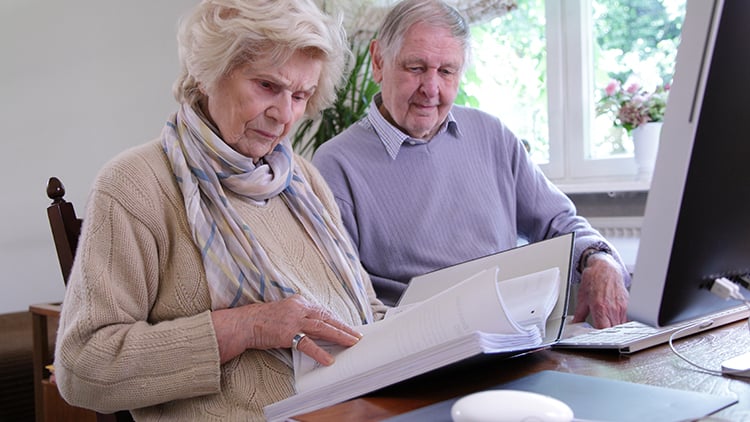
x,y
48,405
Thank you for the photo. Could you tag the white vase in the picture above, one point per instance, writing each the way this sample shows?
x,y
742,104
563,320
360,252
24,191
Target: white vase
x,y
645,147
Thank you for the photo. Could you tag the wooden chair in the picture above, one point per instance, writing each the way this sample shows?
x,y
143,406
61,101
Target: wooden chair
x,y
64,224
66,228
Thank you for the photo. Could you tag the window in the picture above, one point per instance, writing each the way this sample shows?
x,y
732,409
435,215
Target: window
x,y
542,67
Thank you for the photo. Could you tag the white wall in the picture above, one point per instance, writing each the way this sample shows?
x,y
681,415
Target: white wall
x,y
80,80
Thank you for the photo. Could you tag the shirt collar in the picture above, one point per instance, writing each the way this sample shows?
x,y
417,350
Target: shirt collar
x,y
392,137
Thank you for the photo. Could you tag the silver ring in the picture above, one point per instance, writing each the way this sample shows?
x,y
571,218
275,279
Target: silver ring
x,y
297,338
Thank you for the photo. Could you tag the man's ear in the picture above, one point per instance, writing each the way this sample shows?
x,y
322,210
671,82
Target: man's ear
x,y
377,61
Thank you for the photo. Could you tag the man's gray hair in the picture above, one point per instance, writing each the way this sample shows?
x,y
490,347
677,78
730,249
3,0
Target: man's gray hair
x,y
437,13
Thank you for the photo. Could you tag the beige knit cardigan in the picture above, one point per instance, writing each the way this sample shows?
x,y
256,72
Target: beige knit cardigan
x,y
135,330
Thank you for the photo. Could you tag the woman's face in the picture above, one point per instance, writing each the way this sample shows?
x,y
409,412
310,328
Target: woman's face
x,y
257,103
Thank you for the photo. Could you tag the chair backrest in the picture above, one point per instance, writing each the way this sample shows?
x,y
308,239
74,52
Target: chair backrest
x,y
64,224
66,228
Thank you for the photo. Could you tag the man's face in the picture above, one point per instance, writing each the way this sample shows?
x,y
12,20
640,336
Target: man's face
x,y
418,87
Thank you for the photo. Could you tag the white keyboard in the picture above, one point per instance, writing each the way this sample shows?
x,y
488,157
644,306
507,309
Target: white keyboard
x,y
633,336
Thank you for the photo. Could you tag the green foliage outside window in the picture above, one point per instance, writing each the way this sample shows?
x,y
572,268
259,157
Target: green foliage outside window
x,y
509,76
639,26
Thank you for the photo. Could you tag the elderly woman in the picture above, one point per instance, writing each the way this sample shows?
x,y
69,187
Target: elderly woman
x,y
208,253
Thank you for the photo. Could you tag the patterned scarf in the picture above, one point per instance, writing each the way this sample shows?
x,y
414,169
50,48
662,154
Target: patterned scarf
x,y
237,267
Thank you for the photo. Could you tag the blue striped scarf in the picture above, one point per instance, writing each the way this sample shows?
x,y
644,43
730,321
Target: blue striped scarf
x,y
237,267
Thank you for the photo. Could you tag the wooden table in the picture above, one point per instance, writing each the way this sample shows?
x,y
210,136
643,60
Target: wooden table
x,y
657,366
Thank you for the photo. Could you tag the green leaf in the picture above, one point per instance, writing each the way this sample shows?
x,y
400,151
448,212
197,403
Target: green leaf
x,y
351,104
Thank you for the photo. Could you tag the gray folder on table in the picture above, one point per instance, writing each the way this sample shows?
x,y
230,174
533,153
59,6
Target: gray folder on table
x,y
600,399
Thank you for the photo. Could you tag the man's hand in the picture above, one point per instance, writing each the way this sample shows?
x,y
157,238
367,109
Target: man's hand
x,y
602,293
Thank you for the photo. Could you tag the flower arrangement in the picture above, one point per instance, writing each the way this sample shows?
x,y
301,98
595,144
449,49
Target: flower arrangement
x,y
632,106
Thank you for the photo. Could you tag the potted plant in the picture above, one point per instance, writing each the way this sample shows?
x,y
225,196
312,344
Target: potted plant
x,y
641,114
351,105
353,99
632,106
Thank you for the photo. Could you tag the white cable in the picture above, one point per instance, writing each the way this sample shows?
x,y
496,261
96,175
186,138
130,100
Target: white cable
x,y
680,355
725,289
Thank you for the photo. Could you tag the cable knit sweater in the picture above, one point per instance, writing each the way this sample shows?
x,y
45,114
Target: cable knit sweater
x,y
135,330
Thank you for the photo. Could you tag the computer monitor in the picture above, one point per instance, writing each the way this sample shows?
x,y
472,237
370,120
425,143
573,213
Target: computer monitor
x,y
697,220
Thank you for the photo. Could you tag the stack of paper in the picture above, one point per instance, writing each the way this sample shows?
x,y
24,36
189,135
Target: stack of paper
x,y
478,315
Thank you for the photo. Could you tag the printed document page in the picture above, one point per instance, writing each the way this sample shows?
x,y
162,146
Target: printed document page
x,y
475,305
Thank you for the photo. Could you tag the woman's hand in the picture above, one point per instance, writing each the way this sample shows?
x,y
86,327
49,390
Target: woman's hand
x,y
274,325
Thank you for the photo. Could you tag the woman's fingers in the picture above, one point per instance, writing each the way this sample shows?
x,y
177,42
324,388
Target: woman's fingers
x,y
326,327
310,348
319,324
275,324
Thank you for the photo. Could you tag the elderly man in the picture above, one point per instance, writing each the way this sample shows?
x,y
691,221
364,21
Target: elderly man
x,y
423,183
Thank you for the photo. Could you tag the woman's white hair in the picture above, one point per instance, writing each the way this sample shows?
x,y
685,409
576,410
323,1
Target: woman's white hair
x,y
219,35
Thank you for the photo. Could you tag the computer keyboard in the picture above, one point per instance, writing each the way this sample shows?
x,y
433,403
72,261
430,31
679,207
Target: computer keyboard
x,y
633,336
619,337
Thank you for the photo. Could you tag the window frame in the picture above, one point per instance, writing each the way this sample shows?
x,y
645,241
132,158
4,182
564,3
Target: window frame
x,y
570,86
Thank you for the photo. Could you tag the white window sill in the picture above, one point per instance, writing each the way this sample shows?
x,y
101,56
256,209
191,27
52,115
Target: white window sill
x,y
603,185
